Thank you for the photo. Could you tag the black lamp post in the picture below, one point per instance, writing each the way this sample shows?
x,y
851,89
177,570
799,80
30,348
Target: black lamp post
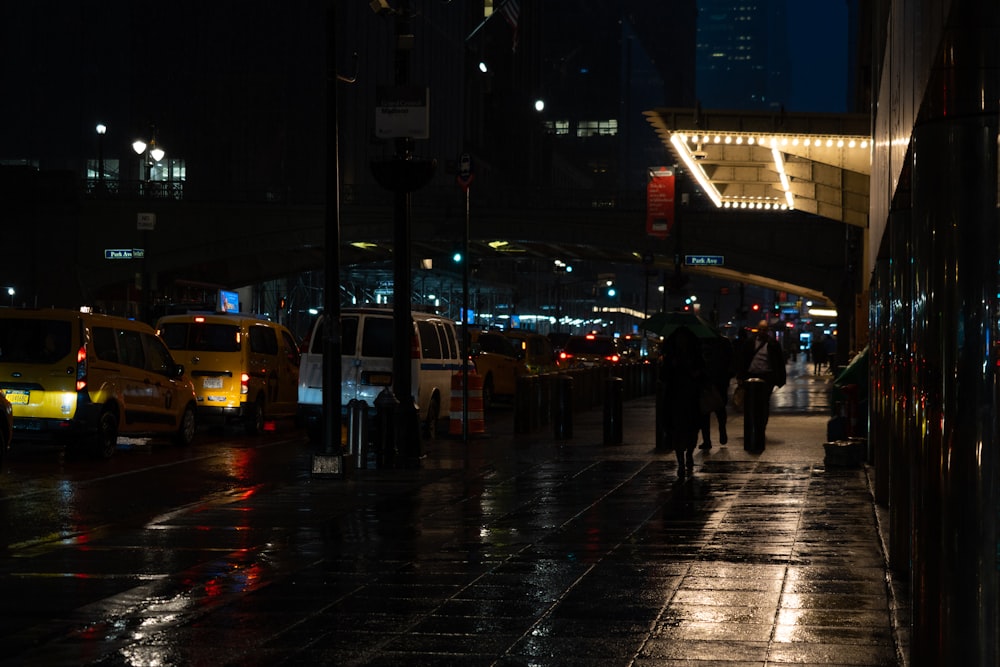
x,y
102,129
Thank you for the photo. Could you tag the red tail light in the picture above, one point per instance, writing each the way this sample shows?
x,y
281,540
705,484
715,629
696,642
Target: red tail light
x,y
614,358
81,368
565,355
414,347
244,383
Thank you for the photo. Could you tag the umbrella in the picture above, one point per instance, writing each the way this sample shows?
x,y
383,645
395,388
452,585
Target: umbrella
x,y
665,324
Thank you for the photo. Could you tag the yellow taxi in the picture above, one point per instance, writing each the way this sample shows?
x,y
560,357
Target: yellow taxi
x,y
497,360
88,378
245,368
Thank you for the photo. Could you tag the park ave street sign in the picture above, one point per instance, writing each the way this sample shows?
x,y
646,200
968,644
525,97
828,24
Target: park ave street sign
x,y
704,260
123,253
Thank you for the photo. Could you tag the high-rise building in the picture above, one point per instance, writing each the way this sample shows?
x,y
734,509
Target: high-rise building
x,y
743,58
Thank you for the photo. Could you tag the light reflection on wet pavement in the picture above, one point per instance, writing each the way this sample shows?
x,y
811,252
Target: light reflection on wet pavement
x,y
510,550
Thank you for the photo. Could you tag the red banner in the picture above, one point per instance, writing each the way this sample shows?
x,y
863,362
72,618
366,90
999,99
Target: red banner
x,y
660,202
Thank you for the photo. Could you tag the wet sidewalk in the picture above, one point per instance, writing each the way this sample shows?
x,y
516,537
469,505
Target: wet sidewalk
x,y
526,550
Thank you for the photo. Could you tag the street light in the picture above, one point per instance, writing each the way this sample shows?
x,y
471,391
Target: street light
x,y
150,153
10,291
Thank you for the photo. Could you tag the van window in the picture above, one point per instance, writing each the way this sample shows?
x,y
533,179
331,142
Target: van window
x,y
376,339
263,340
291,350
201,336
130,348
449,333
105,346
495,344
34,341
430,346
348,336
158,359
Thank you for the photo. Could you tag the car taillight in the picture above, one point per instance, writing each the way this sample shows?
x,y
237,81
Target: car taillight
x,y
565,355
614,358
414,348
244,383
81,368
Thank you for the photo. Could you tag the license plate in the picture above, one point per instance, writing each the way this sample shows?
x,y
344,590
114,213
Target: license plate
x,y
377,379
17,396
212,382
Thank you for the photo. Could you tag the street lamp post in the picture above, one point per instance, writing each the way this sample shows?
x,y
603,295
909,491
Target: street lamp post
x,y
102,129
150,155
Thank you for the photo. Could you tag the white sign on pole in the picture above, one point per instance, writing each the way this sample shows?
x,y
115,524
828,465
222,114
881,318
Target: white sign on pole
x,y
146,221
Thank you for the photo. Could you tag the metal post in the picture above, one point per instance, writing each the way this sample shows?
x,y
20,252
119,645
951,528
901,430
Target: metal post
x,y
331,462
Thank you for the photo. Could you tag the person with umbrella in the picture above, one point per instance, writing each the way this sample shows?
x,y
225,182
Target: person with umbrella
x,y
682,373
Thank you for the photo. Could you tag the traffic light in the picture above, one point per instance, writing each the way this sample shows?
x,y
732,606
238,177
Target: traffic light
x,y
755,308
610,291
457,257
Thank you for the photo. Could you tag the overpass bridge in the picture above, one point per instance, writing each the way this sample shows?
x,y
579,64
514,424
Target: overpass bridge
x,y
806,250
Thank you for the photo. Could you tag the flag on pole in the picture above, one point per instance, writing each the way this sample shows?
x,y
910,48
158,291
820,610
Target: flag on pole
x,y
510,11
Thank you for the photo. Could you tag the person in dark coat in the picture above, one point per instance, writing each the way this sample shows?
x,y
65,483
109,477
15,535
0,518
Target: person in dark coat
x,y
720,366
763,358
682,373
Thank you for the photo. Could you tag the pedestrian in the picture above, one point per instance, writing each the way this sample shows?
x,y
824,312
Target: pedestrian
x,y
763,359
818,353
720,367
830,348
682,373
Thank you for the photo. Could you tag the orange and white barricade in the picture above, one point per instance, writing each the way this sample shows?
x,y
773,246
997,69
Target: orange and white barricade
x,y
477,422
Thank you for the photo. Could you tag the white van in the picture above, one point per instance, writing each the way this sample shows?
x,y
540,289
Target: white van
x,y
366,364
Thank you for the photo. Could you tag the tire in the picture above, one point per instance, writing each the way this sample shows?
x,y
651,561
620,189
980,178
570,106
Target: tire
x,y
185,434
106,439
253,423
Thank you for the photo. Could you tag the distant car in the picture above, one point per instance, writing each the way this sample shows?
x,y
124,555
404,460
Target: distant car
x,y
558,340
636,348
589,350
535,349
498,362
6,425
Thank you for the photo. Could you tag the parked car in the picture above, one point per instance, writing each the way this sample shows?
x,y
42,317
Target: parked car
x,y
367,338
589,350
89,378
535,349
244,368
6,425
497,360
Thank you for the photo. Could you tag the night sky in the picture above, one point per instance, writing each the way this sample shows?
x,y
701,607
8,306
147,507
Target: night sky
x,y
817,39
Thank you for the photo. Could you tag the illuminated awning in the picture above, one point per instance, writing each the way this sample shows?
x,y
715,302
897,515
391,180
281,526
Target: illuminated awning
x,y
817,163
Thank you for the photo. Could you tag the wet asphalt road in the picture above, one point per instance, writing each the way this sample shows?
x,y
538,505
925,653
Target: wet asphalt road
x,y
508,550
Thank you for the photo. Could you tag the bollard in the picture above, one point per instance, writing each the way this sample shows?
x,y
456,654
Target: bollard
x,y
755,401
562,408
614,388
535,393
357,432
522,404
386,407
